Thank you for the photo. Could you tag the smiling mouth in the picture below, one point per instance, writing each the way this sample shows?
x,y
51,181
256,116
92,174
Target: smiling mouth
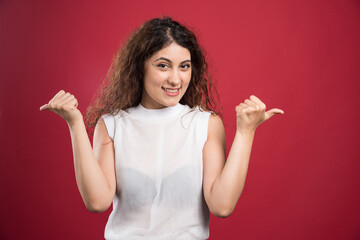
x,y
171,90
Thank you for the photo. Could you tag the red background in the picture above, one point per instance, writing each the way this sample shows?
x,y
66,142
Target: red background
x,y
300,56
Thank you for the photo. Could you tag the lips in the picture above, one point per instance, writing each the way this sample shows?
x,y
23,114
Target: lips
x,y
171,91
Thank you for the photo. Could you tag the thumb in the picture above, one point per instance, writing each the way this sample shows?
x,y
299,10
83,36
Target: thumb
x,y
272,112
44,107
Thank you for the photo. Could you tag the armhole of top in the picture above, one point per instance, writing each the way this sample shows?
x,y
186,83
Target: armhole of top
x,y
109,121
204,126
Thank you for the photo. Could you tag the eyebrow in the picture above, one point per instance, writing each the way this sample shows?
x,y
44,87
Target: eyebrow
x,y
168,60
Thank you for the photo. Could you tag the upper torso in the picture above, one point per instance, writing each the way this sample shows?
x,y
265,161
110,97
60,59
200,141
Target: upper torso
x,y
158,164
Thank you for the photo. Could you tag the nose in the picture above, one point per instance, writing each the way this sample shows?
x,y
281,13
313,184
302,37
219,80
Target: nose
x,y
174,78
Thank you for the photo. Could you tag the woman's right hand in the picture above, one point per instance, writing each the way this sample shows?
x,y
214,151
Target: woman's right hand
x,y
65,105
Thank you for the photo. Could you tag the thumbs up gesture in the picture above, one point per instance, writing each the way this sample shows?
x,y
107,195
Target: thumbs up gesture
x,y
251,114
65,105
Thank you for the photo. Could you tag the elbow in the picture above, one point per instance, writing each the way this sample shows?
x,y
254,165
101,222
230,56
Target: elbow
x,y
220,207
97,207
223,212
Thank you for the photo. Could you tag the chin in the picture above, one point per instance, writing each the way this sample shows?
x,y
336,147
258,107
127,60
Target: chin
x,y
173,104
170,103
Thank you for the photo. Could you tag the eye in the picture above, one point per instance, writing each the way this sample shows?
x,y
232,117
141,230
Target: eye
x,y
185,66
162,66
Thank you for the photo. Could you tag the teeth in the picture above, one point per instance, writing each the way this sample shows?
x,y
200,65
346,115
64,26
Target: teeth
x,y
170,90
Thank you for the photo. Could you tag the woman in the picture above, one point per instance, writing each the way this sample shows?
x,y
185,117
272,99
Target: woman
x,y
159,148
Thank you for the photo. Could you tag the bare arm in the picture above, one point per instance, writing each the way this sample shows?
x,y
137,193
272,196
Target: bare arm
x,y
94,169
224,180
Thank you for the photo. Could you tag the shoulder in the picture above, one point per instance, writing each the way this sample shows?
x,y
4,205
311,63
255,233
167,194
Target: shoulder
x,y
212,123
101,132
199,111
116,115
106,125
216,126
215,120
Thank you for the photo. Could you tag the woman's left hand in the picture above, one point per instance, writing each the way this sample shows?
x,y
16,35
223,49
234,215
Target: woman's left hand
x,y
251,114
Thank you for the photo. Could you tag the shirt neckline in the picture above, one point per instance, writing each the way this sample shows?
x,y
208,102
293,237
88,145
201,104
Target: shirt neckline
x,y
156,114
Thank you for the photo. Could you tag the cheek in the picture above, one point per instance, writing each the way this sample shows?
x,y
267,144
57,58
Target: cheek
x,y
187,77
153,79
159,77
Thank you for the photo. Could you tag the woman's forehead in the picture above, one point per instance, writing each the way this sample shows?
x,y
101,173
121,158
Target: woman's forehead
x,y
173,52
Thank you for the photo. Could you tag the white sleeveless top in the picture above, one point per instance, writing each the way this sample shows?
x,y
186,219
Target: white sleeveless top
x,y
159,174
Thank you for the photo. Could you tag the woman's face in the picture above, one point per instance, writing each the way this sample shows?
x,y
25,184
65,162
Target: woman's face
x,y
166,77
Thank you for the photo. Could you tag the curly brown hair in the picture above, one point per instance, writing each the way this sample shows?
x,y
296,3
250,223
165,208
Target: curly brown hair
x,y
123,85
